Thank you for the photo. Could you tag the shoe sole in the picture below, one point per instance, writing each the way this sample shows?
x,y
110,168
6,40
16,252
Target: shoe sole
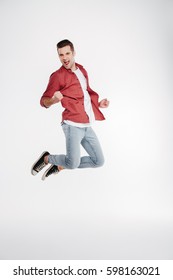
x,y
33,172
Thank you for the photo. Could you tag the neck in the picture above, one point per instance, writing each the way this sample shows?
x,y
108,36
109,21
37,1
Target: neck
x,y
74,67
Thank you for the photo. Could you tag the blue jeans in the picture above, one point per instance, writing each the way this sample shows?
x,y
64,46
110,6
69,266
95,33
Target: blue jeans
x,y
76,136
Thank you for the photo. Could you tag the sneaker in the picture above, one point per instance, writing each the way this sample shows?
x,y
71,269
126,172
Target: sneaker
x,y
53,169
39,164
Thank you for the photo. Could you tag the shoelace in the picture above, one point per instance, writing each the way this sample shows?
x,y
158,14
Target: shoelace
x,y
40,166
52,170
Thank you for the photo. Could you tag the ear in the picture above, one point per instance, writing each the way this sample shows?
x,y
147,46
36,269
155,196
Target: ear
x,y
74,53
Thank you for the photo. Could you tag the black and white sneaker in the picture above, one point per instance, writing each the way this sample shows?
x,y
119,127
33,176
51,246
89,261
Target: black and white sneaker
x,y
39,164
53,169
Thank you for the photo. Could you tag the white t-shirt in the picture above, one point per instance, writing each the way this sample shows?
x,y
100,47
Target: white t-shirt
x,y
87,101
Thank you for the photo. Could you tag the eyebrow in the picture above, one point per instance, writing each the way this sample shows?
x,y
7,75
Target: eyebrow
x,y
63,54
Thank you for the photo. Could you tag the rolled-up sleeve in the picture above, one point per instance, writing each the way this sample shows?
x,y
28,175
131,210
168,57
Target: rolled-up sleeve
x,y
53,85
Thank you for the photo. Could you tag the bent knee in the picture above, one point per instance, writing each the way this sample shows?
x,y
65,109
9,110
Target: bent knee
x,y
100,162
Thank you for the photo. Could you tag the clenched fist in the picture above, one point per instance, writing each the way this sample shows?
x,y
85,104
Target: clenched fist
x,y
57,96
104,103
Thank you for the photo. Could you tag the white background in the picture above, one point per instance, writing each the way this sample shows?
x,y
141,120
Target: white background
x,y
123,210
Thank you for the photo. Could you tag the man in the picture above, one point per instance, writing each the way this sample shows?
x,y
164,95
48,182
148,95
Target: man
x,y
69,86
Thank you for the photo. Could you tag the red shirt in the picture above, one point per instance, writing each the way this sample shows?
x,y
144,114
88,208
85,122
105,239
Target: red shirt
x,y
66,82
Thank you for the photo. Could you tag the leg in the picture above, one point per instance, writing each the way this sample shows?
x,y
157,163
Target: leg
x,y
92,146
73,137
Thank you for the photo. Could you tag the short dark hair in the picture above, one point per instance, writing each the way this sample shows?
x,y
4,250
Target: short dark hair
x,y
65,43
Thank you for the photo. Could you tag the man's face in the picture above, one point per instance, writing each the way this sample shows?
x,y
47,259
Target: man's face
x,y
66,56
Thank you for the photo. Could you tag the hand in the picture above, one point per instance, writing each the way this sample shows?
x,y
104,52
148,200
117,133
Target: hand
x,y
57,96
104,103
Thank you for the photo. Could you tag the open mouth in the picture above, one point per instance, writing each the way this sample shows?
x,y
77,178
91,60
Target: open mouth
x,y
66,63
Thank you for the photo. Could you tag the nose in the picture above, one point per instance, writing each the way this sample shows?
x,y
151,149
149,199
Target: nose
x,y
64,58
